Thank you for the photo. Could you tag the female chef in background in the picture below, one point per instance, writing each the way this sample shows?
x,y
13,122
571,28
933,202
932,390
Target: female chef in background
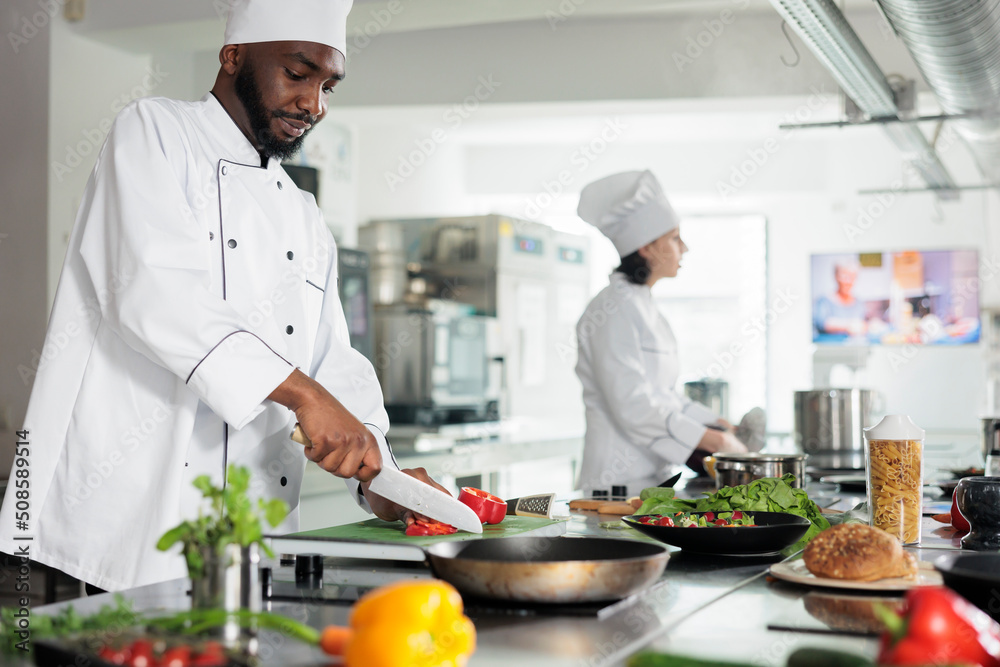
x,y
638,425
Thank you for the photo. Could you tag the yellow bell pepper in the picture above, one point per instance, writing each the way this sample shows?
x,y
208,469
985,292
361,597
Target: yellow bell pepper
x,y
410,624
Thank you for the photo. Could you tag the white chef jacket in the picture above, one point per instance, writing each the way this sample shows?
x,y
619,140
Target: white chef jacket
x,y
195,282
638,425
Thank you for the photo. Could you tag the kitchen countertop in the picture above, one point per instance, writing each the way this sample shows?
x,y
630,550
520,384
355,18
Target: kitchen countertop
x,y
699,600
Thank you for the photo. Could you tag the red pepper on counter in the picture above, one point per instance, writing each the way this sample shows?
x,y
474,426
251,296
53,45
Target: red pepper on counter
x,y
487,507
422,528
939,627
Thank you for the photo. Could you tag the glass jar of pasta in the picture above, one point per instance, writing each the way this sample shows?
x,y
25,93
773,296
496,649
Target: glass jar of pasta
x,y
894,463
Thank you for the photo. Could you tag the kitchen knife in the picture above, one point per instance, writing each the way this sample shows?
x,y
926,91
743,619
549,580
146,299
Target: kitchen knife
x,y
415,495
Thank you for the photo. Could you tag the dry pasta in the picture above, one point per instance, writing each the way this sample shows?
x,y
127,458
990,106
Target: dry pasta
x,y
894,487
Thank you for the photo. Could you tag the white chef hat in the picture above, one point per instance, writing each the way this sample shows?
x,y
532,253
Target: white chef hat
x,y
629,208
319,21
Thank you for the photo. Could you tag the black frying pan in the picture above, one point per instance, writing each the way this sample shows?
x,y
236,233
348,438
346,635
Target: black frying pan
x,y
549,569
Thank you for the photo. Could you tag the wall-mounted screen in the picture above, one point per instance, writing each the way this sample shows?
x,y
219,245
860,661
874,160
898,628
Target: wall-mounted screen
x,y
924,297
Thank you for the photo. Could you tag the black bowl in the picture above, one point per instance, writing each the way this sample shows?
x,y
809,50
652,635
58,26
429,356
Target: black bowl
x,y
976,577
774,531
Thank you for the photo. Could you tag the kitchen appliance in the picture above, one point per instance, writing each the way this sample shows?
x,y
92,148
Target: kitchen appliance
x,y
542,569
829,426
714,394
437,363
735,469
355,295
532,279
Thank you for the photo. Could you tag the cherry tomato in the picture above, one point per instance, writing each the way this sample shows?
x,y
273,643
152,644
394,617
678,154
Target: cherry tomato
x,y
116,656
178,656
141,654
665,521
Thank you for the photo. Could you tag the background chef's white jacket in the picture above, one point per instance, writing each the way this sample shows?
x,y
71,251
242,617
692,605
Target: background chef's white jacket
x,y
195,282
638,425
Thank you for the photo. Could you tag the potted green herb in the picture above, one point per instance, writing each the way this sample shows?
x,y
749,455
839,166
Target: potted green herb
x,y
221,544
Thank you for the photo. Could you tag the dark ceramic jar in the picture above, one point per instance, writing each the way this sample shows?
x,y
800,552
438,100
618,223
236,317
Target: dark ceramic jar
x,y
978,500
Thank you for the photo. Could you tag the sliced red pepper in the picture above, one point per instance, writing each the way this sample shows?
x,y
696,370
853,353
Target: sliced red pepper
x,y
487,507
423,528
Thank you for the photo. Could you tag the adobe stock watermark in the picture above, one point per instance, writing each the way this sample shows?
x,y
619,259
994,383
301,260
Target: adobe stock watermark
x,y
93,137
757,157
581,159
562,12
712,29
752,330
453,118
32,25
868,215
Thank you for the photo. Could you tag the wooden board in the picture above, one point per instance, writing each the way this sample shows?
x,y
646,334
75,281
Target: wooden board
x,y
379,539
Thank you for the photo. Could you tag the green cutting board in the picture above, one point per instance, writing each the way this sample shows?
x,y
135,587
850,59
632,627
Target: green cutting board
x,y
375,538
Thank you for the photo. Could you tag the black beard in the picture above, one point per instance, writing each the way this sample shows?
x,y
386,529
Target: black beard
x,y
268,143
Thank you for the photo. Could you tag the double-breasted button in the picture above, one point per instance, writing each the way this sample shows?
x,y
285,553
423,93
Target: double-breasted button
x,y
289,329
284,481
280,186
289,254
224,170
232,243
211,236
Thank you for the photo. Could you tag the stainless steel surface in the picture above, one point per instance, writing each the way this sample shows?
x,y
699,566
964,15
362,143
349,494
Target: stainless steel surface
x,y
384,241
989,436
830,423
354,285
714,394
736,469
680,614
435,365
823,27
545,569
954,44
422,498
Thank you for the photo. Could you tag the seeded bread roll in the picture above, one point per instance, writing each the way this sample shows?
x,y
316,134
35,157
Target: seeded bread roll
x,y
857,552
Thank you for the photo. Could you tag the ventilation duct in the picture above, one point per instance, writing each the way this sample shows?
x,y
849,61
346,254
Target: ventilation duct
x,y
822,26
956,45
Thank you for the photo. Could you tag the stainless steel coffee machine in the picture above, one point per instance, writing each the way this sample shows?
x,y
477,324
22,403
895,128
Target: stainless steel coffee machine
x,y
520,279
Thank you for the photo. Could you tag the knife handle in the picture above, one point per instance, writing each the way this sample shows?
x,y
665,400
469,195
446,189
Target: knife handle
x,y
299,436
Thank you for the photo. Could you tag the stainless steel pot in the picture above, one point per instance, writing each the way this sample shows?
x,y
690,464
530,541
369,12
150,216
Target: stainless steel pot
x,y
736,469
830,423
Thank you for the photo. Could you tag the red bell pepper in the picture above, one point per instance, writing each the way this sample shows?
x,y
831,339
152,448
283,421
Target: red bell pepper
x,y
487,507
423,528
939,627
958,522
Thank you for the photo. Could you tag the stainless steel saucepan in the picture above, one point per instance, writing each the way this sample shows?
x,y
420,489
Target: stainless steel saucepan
x,y
549,569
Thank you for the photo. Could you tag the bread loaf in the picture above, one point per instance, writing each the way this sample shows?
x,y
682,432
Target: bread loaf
x,y
857,552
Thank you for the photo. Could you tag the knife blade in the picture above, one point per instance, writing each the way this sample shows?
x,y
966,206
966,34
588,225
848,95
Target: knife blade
x,y
414,495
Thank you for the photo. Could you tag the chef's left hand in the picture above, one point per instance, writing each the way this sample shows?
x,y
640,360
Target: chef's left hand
x,y
390,511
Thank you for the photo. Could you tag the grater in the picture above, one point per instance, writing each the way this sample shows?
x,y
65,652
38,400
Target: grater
x,y
538,505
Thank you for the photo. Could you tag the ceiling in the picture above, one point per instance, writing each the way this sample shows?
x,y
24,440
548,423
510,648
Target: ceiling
x,y
197,25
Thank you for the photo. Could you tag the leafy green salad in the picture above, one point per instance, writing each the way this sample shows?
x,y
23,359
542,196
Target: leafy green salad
x,y
769,494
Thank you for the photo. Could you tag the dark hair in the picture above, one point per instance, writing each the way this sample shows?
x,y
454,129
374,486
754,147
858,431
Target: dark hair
x,y
635,267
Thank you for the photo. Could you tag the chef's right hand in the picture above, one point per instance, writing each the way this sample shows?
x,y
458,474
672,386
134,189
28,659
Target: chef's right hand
x,y
341,444
721,441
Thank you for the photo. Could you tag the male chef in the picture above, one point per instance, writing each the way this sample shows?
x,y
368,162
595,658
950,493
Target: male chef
x,y
199,301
